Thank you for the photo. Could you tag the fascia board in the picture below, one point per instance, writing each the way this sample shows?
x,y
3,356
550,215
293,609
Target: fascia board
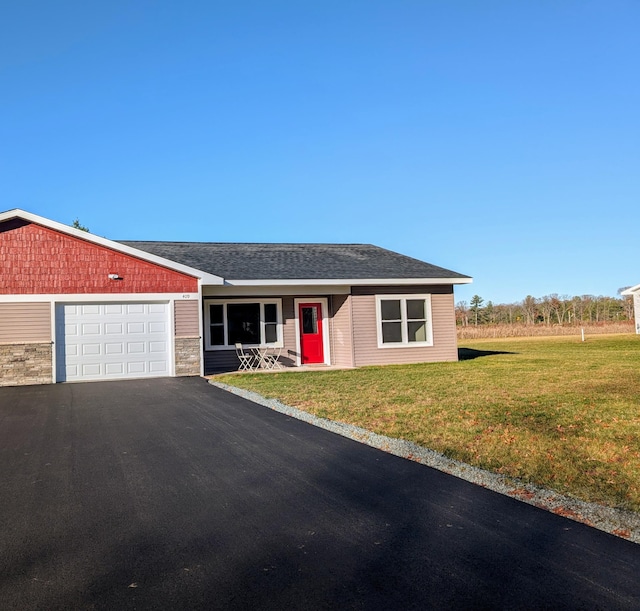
x,y
350,281
631,290
95,297
205,277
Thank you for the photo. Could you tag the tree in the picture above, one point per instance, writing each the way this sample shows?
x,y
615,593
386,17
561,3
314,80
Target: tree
x,y
76,225
560,306
529,307
489,313
545,307
549,310
462,313
476,302
627,303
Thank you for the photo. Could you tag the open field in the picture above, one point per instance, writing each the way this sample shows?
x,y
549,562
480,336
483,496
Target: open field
x,y
554,412
503,330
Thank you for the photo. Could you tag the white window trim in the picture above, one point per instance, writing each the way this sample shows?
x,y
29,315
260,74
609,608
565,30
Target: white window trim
x,y
403,311
225,302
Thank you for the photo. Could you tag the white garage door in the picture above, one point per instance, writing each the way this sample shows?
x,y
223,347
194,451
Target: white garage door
x,y
104,341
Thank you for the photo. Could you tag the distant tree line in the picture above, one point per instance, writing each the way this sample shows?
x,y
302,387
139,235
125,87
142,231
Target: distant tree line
x,y
548,310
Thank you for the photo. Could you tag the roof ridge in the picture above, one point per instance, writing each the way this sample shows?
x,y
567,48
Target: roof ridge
x,y
252,243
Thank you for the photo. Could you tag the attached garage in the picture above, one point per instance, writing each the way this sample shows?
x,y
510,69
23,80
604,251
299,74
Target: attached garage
x,y
106,341
79,307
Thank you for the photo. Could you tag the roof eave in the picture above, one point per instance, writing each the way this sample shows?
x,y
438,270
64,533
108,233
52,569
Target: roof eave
x,y
349,281
204,277
632,290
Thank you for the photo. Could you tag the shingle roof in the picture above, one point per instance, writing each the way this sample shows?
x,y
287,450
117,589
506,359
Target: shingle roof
x,y
234,261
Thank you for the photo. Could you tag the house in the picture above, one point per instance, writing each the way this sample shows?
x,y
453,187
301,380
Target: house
x,y
78,307
635,292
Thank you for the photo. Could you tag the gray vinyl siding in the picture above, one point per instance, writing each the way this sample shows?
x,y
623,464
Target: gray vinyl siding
x,y
186,318
365,337
220,360
353,331
22,323
289,352
341,334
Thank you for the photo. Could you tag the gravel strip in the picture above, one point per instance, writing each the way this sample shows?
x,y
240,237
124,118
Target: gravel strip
x,y
624,524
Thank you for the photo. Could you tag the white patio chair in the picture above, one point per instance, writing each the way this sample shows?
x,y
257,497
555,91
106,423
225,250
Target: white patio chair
x,y
247,359
271,359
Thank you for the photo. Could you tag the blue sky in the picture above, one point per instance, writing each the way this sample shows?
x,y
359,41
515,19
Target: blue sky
x,y
500,139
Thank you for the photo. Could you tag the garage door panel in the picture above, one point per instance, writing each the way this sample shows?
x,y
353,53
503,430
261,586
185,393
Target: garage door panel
x,y
157,347
105,341
137,367
113,328
114,369
71,330
91,349
157,327
158,367
91,369
117,348
91,329
116,309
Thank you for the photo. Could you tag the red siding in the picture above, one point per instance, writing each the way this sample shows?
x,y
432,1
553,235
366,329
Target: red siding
x,y
38,260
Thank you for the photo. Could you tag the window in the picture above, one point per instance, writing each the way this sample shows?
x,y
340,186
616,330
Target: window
x,y
254,323
404,320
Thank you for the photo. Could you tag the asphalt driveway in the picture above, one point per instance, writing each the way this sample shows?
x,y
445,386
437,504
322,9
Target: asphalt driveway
x,y
172,494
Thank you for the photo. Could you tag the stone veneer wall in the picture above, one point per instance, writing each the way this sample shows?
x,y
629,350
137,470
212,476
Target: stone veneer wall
x,y
23,364
187,356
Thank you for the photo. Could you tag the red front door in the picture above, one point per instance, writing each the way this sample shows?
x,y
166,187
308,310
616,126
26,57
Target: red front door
x,y
311,340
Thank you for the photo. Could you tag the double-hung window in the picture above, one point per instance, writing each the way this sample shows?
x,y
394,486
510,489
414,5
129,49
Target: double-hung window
x,y
404,320
250,322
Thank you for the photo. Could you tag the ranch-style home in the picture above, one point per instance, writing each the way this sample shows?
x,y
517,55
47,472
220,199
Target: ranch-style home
x,y
77,307
634,291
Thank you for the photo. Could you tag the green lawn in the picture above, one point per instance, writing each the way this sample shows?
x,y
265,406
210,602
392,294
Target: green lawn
x,y
555,412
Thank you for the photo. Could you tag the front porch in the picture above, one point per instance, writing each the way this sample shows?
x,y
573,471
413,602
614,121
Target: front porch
x,y
303,330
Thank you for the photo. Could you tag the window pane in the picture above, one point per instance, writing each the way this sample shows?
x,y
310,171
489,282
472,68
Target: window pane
x,y
270,312
270,333
309,320
415,309
390,309
244,323
391,332
417,332
217,335
216,313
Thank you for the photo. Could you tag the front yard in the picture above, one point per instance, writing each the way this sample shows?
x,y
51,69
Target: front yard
x,y
554,412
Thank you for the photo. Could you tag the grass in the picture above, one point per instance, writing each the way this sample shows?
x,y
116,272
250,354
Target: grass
x,y
554,412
